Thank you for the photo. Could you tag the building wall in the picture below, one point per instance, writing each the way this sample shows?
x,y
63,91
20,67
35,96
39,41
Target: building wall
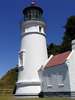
x,y
55,79
33,53
34,50
71,67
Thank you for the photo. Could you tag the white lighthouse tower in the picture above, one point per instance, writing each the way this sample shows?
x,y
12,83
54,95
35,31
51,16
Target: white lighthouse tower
x,y
33,51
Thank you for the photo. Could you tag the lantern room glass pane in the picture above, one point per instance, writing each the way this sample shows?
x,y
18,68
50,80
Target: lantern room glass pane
x,y
33,14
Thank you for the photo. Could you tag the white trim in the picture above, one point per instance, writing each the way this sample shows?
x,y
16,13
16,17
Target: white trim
x,y
73,44
32,22
69,55
22,84
44,65
27,81
29,33
61,85
49,86
47,61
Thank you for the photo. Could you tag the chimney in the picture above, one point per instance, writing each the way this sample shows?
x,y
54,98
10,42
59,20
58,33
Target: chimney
x,y
73,44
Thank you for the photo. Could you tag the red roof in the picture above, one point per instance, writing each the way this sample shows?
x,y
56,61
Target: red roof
x,y
58,59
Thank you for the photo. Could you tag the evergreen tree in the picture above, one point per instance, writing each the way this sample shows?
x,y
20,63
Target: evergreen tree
x,y
53,49
69,34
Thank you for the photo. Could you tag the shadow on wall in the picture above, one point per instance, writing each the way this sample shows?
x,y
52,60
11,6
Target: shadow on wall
x,y
55,81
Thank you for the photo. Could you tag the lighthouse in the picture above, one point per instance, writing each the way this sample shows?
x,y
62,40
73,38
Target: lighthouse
x,y
33,51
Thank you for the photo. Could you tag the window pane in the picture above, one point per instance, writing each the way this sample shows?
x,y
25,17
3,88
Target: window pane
x,y
49,80
60,79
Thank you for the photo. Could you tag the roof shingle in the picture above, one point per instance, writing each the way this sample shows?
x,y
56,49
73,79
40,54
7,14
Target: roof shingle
x,y
57,59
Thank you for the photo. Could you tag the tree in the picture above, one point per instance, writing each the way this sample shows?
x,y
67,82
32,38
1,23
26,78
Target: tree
x,y
53,49
69,34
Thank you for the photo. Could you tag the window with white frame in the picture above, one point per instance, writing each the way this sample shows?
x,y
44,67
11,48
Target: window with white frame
x,y
49,80
60,79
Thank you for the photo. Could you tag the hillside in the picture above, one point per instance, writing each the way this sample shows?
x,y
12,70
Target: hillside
x,y
7,82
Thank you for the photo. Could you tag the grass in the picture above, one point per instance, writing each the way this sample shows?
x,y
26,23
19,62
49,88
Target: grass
x,y
10,97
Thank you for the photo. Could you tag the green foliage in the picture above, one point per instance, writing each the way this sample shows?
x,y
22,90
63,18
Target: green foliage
x,y
53,49
8,81
70,28
69,35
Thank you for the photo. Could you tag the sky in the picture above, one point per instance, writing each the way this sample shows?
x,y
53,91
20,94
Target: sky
x,y
56,13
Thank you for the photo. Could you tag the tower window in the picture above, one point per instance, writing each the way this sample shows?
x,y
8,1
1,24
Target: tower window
x,y
40,28
21,58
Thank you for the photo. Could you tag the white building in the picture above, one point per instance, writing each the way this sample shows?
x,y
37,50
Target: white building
x,y
37,73
33,51
58,74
